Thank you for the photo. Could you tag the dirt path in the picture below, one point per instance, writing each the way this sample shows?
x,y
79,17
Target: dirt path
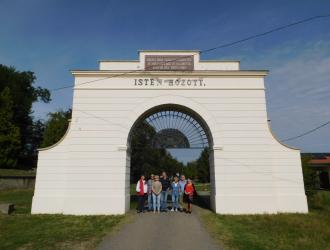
x,y
171,230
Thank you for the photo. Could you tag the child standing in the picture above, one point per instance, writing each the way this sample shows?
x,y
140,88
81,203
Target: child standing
x,y
175,193
189,191
156,190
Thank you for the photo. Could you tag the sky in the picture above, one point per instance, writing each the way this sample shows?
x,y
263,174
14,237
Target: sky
x,y
52,37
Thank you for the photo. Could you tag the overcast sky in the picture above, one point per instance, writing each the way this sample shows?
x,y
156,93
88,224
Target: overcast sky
x,y
52,37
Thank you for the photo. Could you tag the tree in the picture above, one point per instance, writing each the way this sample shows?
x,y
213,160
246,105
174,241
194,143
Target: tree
x,y
203,166
55,127
34,141
200,168
310,177
22,94
9,132
145,159
190,171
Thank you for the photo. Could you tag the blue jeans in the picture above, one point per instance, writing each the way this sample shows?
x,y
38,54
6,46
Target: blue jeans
x,y
150,201
156,202
175,200
164,200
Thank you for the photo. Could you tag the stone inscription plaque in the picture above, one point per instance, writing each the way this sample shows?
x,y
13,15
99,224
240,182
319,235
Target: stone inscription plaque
x,y
160,62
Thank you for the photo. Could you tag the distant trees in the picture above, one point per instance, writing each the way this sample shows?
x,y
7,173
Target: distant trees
x,y
18,140
200,168
311,180
55,127
203,166
146,159
10,143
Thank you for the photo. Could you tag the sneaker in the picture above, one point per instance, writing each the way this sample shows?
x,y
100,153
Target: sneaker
x,y
176,210
172,210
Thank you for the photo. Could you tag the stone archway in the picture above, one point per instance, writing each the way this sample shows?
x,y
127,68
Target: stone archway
x,y
87,172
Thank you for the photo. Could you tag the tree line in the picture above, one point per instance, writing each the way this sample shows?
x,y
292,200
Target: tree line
x,y
145,159
20,133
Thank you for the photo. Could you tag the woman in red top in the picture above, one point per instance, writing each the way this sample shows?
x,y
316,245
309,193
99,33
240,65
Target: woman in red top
x,y
141,191
189,191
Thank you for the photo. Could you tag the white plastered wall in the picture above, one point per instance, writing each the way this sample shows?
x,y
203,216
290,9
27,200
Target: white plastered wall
x,y
88,171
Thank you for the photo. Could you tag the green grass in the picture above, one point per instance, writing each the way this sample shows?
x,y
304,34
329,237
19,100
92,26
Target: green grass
x,y
22,230
21,198
16,172
281,231
202,186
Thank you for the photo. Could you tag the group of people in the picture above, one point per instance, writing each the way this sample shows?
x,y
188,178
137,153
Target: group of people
x,y
157,188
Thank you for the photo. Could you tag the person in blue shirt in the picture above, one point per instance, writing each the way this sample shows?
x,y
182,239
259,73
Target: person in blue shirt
x,y
175,186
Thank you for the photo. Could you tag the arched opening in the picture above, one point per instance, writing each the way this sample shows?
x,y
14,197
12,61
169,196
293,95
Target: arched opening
x,y
174,139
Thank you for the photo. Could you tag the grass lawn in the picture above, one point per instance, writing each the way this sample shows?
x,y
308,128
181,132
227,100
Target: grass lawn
x,y
22,230
16,172
202,186
281,231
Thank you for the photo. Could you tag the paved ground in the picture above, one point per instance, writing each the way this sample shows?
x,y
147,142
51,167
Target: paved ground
x,y
171,230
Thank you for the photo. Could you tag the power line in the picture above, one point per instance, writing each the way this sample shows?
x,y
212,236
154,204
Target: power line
x,y
224,46
307,132
266,32
210,49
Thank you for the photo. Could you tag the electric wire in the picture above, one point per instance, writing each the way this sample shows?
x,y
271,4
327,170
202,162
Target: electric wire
x,y
206,50
307,132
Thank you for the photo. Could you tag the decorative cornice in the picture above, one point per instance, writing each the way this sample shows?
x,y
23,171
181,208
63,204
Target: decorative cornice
x,y
136,60
217,148
169,51
221,61
119,60
196,73
122,148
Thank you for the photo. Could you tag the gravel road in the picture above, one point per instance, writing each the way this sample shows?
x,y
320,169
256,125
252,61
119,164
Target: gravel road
x,y
171,230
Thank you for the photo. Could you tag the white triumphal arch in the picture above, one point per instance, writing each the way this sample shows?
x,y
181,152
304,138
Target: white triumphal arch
x,y
88,171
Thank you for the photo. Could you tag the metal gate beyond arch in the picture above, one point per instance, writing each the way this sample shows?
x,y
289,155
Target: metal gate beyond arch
x,y
176,129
